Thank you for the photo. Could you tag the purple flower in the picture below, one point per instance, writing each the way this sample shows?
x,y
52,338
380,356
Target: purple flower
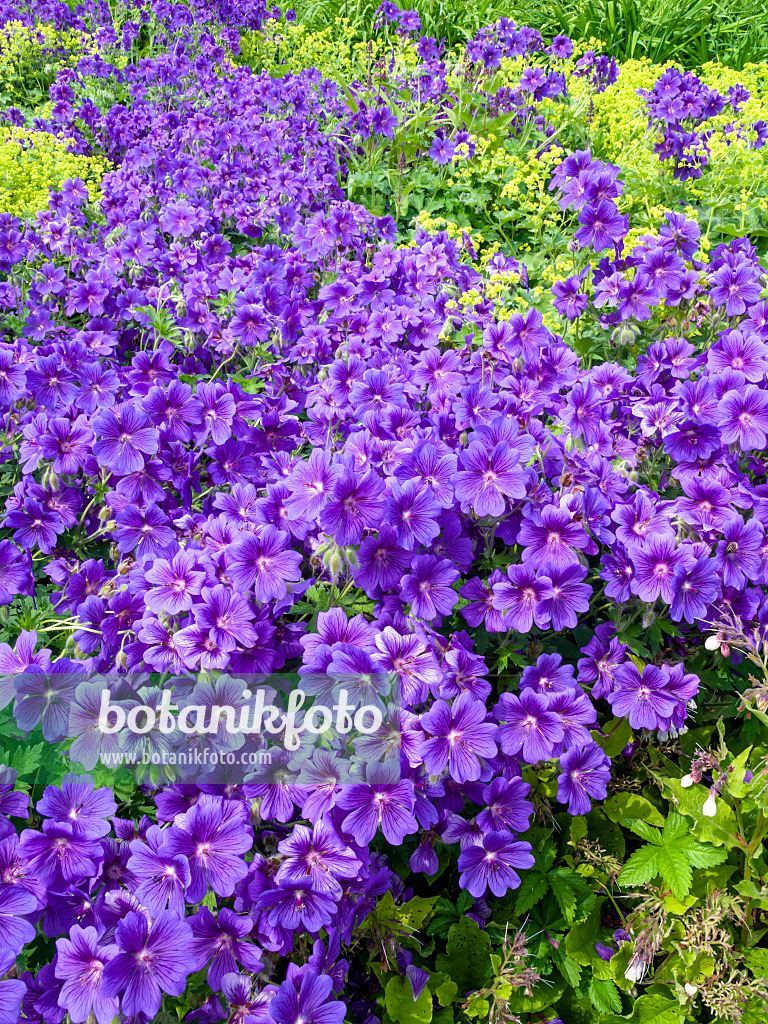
x,y
265,563
413,513
381,561
46,697
79,804
569,301
317,854
694,588
743,418
147,533
529,726
11,994
213,836
486,477
12,803
174,583
566,597
458,736
585,774
293,904
384,801
735,287
80,963
305,998
227,617
162,878
427,587
151,961
59,855
15,932
35,525
311,482
506,806
738,554
655,564
602,226
125,438
644,699
357,504
491,864
548,676
550,543
220,942
521,598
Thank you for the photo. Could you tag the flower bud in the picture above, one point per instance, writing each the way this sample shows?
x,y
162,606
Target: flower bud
x,y
334,564
121,659
351,556
105,514
709,810
686,781
712,643
649,618
125,567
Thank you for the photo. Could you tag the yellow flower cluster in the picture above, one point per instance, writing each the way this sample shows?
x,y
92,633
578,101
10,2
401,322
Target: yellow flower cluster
x,y
33,162
30,55
291,47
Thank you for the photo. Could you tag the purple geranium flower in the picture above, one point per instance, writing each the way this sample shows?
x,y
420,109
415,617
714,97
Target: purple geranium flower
x,y
161,878
220,942
427,587
491,863
458,736
151,961
213,836
529,726
78,803
80,963
644,699
585,773
384,801
305,998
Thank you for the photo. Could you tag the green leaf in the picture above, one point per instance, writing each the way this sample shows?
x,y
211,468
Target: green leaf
x,y
645,831
653,1009
675,870
398,999
632,805
532,889
641,867
567,966
564,892
604,995
675,827
757,961
670,854
467,959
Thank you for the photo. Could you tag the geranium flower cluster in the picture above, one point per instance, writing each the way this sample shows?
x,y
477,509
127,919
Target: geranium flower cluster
x,y
240,387
679,104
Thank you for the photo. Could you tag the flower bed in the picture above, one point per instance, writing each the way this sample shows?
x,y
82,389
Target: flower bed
x,y
431,385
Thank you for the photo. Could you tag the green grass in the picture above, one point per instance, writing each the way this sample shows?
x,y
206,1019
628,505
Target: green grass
x,y
691,33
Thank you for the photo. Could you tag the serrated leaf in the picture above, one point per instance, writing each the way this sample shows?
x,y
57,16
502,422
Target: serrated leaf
x,y
641,867
565,895
674,869
653,1009
604,996
675,827
644,830
567,966
532,889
